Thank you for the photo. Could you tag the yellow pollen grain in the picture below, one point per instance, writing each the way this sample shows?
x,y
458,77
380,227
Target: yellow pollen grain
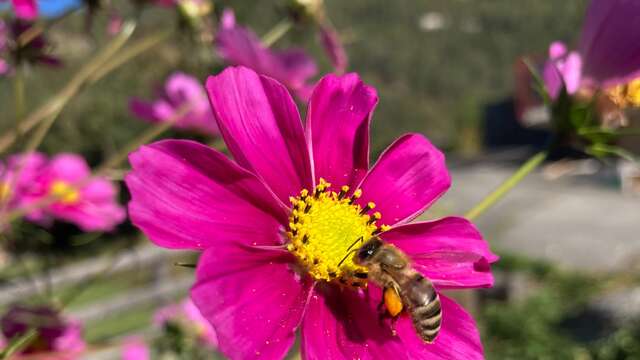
x,y
626,95
322,227
65,193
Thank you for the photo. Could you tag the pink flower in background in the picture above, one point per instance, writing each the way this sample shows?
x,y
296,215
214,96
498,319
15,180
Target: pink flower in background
x,y
564,68
182,94
90,203
36,51
18,179
59,336
330,40
135,349
240,46
187,315
25,9
609,50
262,256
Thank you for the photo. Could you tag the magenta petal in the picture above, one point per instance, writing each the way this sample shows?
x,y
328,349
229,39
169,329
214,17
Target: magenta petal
x,y
252,299
409,176
261,126
338,128
25,9
186,195
343,324
450,251
610,41
458,339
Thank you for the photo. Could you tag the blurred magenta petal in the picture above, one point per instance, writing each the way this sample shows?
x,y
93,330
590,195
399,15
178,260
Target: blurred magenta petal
x,y
186,195
330,40
25,9
408,177
338,120
252,298
18,178
458,338
610,41
450,252
563,68
135,349
261,127
240,46
183,101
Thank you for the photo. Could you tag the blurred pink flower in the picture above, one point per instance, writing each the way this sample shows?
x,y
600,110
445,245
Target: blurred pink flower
x,y
187,314
181,91
36,51
18,179
250,282
90,203
135,349
609,50
25,9
240,46
563,68
330,40
59,336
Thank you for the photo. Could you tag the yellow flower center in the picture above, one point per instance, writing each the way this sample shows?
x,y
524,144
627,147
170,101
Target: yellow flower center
x,y
627,95
66,194
323,226
5,191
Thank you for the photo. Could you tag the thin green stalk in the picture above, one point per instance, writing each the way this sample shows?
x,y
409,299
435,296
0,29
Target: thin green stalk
x,y
130,52
17,344
60,99
507,185
19,94
277,32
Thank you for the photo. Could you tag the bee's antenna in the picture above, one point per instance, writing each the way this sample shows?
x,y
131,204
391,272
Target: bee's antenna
x,y
346,256
360,239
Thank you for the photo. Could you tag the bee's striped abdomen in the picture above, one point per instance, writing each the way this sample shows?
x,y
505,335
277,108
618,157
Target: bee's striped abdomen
x,y
426,311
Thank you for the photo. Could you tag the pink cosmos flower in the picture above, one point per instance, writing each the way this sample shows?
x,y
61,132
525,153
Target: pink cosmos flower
x,y
240,46
182,93
276,223
609,51
135,349
187,314
89,203
58,338
25,9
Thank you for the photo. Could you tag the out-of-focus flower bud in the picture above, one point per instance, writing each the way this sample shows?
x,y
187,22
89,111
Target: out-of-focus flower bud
x,y
306,10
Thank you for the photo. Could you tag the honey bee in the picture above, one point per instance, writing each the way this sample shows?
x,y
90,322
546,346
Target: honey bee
x,y
404,287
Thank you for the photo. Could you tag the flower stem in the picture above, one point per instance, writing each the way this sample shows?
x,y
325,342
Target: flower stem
x,y
19,95
55,105
507,185
277,32
18,343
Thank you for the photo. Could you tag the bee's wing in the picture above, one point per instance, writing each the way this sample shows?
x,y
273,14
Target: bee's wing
x,y
447,256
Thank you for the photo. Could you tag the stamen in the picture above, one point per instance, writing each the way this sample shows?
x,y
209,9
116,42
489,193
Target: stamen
x,y
370,205
343,191
356,195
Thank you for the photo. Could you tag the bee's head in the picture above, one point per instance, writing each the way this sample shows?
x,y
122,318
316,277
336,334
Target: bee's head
x,y
368,250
